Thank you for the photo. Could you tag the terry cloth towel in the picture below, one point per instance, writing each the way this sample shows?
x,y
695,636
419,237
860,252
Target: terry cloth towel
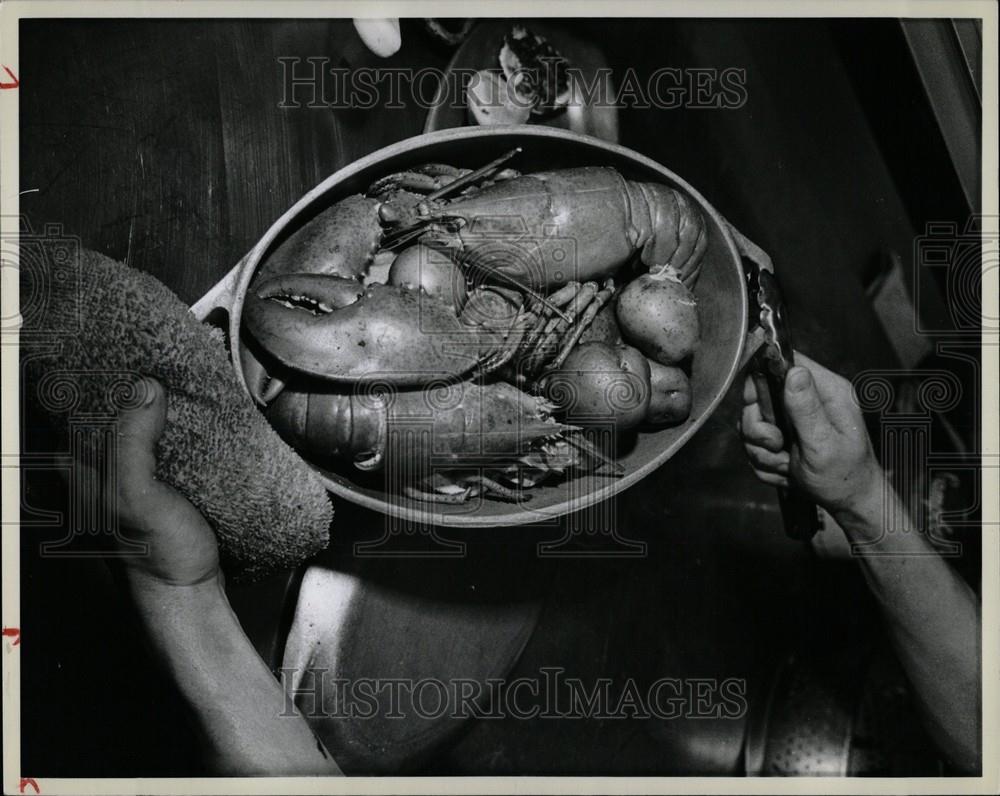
x,y
91,324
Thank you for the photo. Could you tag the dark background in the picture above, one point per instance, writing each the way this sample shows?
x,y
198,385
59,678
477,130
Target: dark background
x,y
161,144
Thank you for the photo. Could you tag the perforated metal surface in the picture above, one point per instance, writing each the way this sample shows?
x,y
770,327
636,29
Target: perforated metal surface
x,y
825,719
810,728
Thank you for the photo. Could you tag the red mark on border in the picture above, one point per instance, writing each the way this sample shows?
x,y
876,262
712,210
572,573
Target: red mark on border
x,y
25,782
14,633
13,77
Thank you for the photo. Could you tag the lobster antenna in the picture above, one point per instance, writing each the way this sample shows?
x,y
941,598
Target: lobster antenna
x,y
401,238
473,176
405,236
392,241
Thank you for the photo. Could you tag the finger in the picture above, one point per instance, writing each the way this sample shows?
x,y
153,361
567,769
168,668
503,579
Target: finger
x,y
138,431
749,391
837,395
763,459
758,432
805,410
140,427
751,415
833,388
771,479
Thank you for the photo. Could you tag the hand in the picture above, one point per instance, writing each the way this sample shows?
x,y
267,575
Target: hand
x,y
831,458
182,550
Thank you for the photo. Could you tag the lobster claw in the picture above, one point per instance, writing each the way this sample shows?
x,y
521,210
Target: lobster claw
x,y
313,291
262,385
339,330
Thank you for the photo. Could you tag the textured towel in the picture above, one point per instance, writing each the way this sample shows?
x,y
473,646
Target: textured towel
x,y
91,324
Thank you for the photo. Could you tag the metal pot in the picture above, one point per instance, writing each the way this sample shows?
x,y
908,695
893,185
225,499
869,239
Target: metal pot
x,y
721,291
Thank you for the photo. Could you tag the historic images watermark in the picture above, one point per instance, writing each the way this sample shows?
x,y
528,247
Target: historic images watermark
x,y
548,695
314,82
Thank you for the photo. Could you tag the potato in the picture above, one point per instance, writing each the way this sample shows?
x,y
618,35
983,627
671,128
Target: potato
x,y
422,266
600,385
670,398
603,328
659,316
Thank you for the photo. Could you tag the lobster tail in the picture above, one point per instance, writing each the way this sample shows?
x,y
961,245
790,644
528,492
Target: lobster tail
x,y
331,425
458,425
671,227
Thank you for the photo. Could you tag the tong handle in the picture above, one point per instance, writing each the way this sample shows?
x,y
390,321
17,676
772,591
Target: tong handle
x,y
798,512
771,364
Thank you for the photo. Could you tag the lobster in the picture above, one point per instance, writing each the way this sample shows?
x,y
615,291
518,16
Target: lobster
x,y
534,233
517,267
442,444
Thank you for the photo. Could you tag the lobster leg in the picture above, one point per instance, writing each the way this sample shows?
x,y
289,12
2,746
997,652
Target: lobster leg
x,y
438,179
427,178
475,484
557,326
518,328
559,299
437,497
602,298
497,489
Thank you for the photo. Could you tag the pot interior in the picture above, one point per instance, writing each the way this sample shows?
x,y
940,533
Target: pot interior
x,y
720,290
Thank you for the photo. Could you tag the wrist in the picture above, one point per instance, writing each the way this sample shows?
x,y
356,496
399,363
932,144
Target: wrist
x,y
865,508
149,588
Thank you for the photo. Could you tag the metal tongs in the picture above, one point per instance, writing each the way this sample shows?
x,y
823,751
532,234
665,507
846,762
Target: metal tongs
x,y
769,367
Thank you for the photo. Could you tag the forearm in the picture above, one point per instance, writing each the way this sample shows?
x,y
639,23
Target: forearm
x,y
931,613
248,724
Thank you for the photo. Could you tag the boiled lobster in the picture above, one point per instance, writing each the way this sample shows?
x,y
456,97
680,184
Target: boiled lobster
x,y
531,232
405,317
487,438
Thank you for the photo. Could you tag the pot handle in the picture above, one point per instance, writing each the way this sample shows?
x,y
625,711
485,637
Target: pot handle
x,y
221,296
749,250
769,353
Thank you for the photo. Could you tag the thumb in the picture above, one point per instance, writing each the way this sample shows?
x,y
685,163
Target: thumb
x,y
805,409
138,430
